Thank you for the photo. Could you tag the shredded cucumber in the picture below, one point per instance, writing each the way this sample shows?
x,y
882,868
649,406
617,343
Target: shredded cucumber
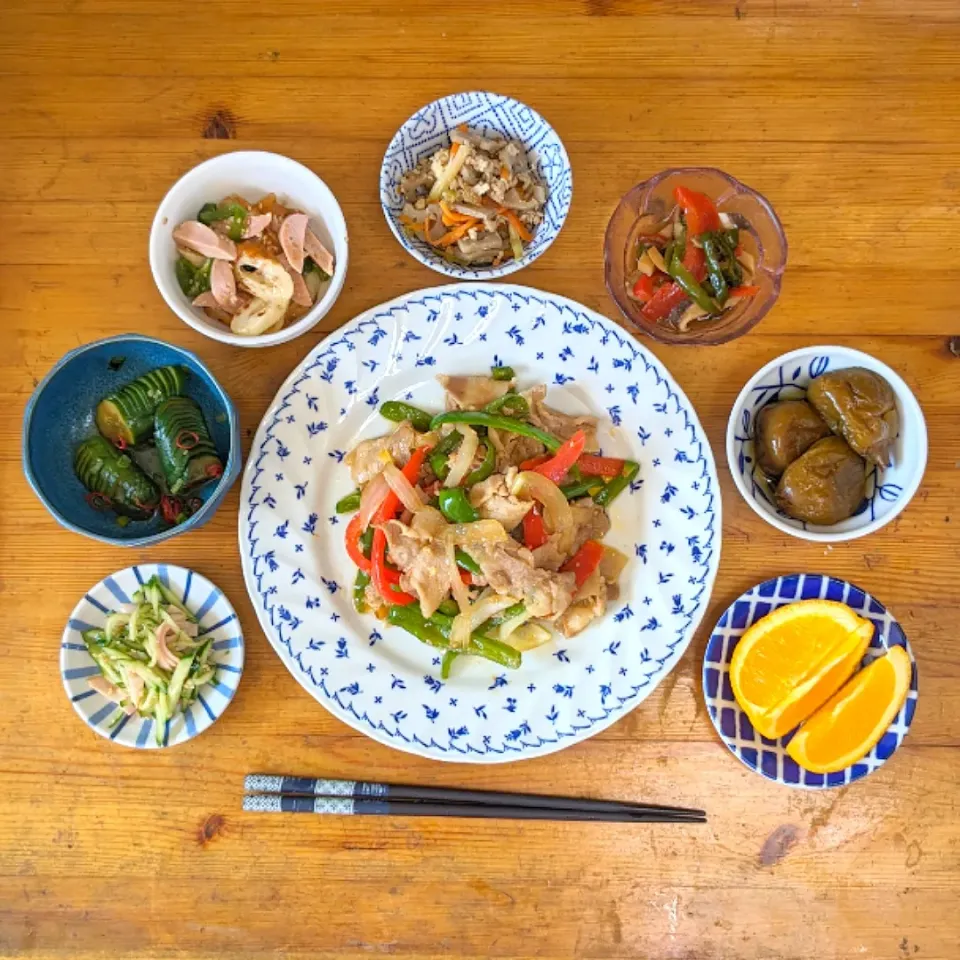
x,y
172,667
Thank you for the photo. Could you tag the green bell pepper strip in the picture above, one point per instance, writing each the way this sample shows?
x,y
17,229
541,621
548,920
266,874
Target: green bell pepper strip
x,y
715,267
680,243
485,469
510,404
397,411
688,283
440,453
480,418
465,562
359,592
455,506
193,280
436,633
502,373
613,488
447,662
349,503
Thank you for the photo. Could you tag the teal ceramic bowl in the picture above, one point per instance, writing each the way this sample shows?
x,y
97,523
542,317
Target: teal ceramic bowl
x,y
60,414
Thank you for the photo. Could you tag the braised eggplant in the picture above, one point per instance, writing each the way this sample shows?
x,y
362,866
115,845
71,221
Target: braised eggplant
x,y
125,417
825,485
188,456
785,430
115,482
860,406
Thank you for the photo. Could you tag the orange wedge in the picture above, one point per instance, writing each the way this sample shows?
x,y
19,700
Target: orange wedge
x,y
847,727
791,661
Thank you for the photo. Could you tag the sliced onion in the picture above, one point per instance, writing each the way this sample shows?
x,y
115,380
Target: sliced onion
x,y
450,172
480,531
459,589
403,488
656,258
557,514
530,636
611,564
429,521
468,620
509,626
374,493
462,459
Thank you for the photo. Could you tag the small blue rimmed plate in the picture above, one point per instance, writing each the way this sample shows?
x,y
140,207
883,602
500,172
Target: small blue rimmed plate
x,y
217,619
769,757
488,113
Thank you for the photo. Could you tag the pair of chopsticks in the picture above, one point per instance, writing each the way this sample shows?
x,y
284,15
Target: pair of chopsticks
x,y
268,793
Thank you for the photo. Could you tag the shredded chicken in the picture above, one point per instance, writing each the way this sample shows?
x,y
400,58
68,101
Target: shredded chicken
x,y
365,459
493,500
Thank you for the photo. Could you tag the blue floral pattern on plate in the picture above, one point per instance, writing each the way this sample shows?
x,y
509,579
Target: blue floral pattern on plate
x,y
217,620
769,757
384,682
488,113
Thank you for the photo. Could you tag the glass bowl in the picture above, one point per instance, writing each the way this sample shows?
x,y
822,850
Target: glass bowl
x,y
764,238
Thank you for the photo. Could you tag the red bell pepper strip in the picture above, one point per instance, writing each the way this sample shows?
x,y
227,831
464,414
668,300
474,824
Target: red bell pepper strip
x,y
669,296
391,502
534,531
748,291
353,534
643,288
382,581
558,466
584,561
591,466
534,462
700,211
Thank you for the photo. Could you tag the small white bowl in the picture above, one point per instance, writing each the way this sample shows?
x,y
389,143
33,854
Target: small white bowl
x,y
888,490
488,113
251,174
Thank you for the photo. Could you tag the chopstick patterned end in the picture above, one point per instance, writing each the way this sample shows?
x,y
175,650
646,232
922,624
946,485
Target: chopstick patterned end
x,y
266,803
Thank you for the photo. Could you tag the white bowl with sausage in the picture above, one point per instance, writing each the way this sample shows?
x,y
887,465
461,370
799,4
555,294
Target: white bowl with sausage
x,y
250,174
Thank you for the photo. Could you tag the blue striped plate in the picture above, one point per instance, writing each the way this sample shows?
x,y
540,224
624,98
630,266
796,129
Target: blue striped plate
x,y
217,618
769,757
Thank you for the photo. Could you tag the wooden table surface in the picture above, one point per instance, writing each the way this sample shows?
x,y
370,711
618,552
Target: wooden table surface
x,y
845,114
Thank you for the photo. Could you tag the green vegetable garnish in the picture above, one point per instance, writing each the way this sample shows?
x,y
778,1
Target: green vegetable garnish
x,y
193,280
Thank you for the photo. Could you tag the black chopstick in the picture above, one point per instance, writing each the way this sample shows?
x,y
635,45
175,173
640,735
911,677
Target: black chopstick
x,y
348,806
360,790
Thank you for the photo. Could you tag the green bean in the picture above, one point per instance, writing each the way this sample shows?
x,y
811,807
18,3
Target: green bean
x,y
398,411
485,469
510,404
715,268
448,608
436,633
455,506
613,488
573,490
480,418
509,614
349,503
691,287
360,592
466,562
502,373
447,662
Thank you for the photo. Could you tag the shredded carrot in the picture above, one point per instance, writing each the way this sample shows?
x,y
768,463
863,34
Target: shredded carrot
x,y
451,237
524,233
426,230
504,172
411,224
451,217
462,128
454,149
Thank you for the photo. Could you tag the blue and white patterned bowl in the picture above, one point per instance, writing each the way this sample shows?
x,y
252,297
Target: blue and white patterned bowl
x,y
217,619
888,490
429,129
382,681
769,757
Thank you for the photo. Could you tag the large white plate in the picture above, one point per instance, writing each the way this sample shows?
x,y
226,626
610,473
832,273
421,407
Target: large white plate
x,y
382,681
